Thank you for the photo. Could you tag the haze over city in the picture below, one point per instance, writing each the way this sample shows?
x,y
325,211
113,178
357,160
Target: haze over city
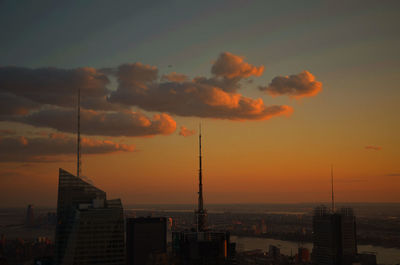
x,y
282,92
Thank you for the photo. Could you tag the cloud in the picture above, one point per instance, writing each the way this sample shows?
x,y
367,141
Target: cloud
x,y
373,147
56,86
136,74
231,66
7,132
48,149
186,132
397,174
123,123
174,77
13,105
46,97
197,100
200,97
296,86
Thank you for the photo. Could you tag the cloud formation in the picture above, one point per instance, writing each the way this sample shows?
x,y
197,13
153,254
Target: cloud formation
x,y
7,132
46,149
123,123
230,66
186,132
373,147
174,77
11,104
56,86
47,97
296,86
200,97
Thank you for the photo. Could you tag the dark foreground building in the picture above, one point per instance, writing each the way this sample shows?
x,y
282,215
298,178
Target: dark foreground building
x,y
334,237
90,228
145,239
209,247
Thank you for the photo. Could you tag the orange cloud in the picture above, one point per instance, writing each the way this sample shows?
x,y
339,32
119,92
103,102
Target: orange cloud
x,y
200,97
373,147
186,132
126,123
174,77
231,66
34,96
296,86
45,149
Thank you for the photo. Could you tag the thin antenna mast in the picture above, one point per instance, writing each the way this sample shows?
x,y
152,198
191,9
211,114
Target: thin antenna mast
x,y
201,213
200,206
333,198
78,161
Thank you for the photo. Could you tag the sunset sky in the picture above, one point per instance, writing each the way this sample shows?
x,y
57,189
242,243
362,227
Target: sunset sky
x,y
282,89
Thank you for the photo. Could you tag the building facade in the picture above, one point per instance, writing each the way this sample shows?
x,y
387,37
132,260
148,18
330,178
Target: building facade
x,y
334,237
145,239
90,228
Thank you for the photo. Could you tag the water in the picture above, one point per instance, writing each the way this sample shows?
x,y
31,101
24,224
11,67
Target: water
x,y
383,255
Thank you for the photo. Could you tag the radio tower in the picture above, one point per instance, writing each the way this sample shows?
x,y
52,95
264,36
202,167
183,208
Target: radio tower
x,y
333,198
78,160
201,213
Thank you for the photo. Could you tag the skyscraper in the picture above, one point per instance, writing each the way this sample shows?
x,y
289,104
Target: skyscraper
x,y
29,215
334,237
145,236
90,228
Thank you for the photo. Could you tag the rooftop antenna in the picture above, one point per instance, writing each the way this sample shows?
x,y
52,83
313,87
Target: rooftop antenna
x,y
333,198
200,213
78,160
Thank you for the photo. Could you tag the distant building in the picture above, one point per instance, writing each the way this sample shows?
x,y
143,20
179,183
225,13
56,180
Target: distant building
x,y
303,255
334,237
367,258
209,247
145,238
274,252
30,218
90,228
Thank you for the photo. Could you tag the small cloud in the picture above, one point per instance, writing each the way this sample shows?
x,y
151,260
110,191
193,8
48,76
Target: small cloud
x,y
296,86
186,132
7,132
392,174
373,147
174,77
229,66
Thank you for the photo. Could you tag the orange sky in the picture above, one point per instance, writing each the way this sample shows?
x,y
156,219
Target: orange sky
x,y
281,95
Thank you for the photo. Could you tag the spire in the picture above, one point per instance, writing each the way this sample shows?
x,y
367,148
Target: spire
x,y
201,213
78,160
200,204
333,198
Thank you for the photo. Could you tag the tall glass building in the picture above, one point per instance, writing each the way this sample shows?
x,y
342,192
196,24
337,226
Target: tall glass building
x,y
334,237
90,228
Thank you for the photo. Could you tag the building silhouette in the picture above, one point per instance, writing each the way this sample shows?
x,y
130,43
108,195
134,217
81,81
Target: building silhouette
x,y
90,228
30,218
145,238
202,246
334,236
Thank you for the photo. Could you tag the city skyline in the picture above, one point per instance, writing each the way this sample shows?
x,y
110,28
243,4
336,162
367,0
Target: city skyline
x,y
277,107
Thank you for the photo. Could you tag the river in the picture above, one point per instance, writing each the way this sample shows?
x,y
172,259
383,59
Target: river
x,y
384,255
